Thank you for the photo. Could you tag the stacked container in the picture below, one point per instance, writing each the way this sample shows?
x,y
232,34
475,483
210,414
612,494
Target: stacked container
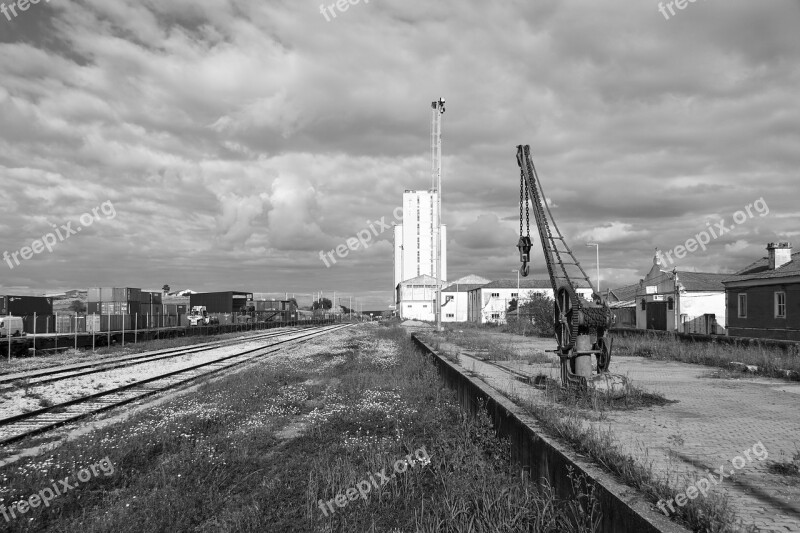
x,y
118,308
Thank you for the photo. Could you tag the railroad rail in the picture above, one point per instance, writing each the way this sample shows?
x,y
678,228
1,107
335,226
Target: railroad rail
x,y
18,427
57,373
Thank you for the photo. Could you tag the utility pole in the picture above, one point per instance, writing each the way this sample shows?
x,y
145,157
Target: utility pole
x,y
597,248
437,110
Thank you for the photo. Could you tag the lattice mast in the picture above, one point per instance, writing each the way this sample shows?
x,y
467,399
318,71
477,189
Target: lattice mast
x,y
437,110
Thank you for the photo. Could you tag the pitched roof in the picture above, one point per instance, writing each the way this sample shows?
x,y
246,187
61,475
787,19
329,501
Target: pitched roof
x,y
701,281
792,268
529,284
423,279
462,287
472,279
628,292
761,265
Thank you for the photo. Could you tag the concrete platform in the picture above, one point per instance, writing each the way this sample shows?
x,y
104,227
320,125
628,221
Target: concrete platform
x,y
713,422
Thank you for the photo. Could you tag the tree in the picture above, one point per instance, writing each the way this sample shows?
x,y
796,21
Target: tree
x,y
512,306
165,288
77,306
324,303
538,309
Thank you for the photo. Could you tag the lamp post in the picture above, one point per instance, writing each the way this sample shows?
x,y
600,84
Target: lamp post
x,y
597,249
517,271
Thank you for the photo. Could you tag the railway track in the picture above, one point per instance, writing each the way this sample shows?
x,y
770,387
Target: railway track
x,y
49,375
18,427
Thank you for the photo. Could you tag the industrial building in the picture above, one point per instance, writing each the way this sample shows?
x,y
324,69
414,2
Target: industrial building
x,y
221,302
455,297
414,239
489,303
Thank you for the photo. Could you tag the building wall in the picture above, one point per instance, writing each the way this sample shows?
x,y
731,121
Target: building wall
x,y
485,307
695,305
456,310
418,310
414,253
761,321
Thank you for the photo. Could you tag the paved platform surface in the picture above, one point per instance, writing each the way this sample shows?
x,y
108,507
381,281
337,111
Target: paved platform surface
x,y
713,422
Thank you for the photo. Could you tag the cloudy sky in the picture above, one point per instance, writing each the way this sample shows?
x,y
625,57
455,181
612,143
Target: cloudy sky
x,y
223,144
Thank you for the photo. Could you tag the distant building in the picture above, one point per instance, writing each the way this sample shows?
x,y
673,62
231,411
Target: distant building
x,y
221,302
764,297
414,239
489,303
456,295
416,298
622,302
681,300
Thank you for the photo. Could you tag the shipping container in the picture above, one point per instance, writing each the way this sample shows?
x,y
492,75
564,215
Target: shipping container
x,y
69,324
115,294
93,324
26,305
119,308
44,324
175,309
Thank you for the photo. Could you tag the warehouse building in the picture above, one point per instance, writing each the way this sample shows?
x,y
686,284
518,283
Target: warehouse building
x,y
489,303
455,297
221,302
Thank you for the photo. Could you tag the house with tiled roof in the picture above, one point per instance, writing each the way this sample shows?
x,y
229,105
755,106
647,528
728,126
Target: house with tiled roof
x,y
455,296
764,297
622,301
681,300
489,303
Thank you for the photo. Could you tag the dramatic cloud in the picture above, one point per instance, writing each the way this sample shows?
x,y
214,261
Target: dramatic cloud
x,y
238,139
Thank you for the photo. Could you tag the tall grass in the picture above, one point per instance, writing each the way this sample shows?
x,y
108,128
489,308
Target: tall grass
x,y
771,362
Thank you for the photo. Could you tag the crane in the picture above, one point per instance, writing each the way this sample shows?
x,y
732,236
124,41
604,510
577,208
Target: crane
x,y
580,325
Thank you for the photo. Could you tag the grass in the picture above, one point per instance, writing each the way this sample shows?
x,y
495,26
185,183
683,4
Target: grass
x,y
256,451
634,398
771,362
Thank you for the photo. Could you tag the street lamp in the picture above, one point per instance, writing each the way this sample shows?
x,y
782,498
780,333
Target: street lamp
x,y
597,249
517,271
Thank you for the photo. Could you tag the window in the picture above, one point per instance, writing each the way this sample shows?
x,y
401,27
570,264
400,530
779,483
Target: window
x,y
780,305
409,306
425,306
495,295
514,294
495,316
670,303
644,304
743,305
450,315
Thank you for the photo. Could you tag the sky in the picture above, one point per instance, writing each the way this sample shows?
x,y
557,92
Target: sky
x,y
223,145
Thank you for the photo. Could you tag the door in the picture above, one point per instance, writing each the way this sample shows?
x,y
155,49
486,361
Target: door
x,y
657,315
